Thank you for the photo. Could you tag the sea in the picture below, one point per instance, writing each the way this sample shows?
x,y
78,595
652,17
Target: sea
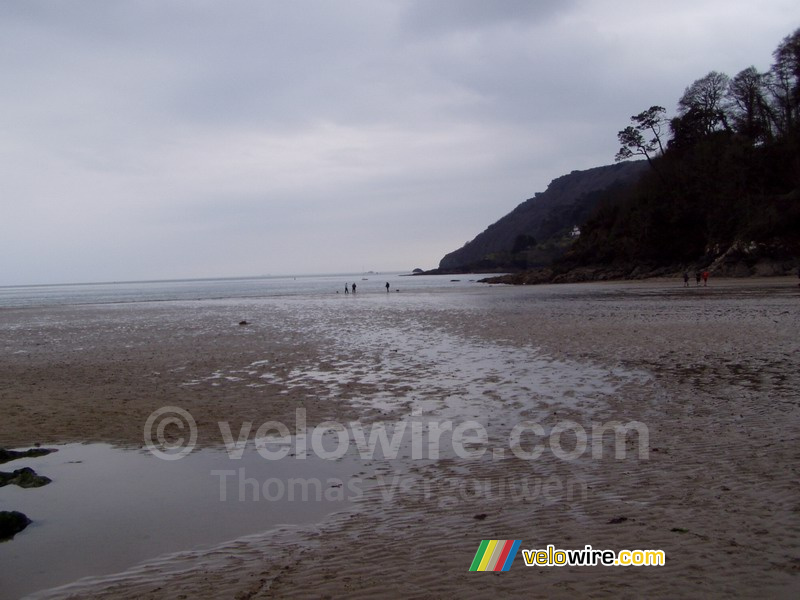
x,y
225,288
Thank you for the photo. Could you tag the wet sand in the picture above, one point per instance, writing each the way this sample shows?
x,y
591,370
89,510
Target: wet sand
x,y
712,373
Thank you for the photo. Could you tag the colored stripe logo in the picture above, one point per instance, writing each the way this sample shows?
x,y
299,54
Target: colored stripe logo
x,y
495,555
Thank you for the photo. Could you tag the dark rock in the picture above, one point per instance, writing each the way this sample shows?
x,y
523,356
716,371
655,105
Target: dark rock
x,y
243,323
9,455
749,258
531,277
480,517
24,478
617,520
11,523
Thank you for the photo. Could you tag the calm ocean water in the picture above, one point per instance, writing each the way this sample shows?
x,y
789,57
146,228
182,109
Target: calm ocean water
x,y
211,289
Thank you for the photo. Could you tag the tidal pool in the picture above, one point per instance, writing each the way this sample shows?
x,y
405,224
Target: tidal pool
x,y
108,509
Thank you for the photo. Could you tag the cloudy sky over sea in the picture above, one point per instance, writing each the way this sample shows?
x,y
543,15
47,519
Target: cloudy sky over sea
x,y
159,139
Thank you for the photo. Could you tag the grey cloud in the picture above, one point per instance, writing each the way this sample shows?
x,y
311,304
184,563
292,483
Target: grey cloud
x,y
425,17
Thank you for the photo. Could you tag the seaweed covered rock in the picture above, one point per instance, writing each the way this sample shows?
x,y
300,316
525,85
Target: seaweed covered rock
x,y
24,478
9,455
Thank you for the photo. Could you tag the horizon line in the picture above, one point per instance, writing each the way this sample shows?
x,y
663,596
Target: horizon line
x,y
186,279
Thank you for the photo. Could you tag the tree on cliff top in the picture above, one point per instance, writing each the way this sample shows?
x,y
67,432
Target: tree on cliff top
x,y
632,138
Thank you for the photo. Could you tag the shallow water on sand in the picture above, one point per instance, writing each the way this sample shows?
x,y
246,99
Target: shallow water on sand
x,y
108,509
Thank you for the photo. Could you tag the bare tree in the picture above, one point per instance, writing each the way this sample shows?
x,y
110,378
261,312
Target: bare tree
x,y
704,100
749,105
785,82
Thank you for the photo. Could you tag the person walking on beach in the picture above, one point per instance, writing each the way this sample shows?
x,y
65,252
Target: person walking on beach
x,y
354,288
387,287
697,278
705,278
686,279
346,289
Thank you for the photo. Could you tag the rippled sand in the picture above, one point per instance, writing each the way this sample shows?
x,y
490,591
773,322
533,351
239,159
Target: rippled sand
x,y
711,372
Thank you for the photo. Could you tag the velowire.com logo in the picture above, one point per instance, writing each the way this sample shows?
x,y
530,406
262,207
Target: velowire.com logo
x,y
495,555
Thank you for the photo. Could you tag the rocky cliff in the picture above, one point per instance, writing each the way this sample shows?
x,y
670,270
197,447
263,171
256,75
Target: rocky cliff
x,y
531,232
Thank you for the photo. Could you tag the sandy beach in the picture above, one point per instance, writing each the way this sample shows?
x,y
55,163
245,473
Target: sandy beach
x,y
711,372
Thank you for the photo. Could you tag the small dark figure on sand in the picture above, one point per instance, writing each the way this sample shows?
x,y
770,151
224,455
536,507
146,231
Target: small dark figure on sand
x,y
686,279
346,289
354,288
697,277
387,287
705,278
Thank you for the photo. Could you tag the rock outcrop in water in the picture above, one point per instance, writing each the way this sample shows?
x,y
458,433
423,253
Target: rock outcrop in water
x,y
24,478
11,523
9,455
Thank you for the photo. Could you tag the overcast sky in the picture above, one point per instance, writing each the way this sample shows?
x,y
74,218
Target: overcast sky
x,y
167,139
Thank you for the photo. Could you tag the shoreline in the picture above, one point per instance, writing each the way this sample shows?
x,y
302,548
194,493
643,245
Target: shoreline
x,y
546,275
